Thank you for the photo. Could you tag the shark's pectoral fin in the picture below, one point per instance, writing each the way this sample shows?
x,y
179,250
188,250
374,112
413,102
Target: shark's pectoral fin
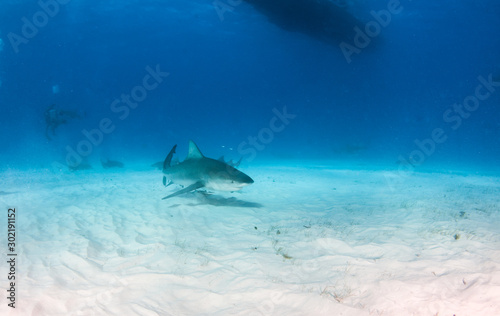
x,y
194,186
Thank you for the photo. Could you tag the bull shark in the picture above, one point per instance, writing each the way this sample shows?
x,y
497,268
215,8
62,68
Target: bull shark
x,y
198,171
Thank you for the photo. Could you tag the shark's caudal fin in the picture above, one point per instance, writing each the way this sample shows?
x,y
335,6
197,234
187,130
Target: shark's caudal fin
x,y
168,160
194,186
194,151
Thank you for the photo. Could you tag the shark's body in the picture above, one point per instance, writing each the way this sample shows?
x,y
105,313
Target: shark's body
x,y
198,171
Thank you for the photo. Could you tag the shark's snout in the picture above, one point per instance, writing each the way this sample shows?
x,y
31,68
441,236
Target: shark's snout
x,y
248,180
242,179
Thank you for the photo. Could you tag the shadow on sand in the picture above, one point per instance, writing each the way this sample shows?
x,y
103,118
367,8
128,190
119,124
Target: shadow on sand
x,y
205,198
6,193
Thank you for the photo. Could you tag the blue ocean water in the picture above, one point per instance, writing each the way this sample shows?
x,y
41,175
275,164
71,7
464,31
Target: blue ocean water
x,y
325,101
416,88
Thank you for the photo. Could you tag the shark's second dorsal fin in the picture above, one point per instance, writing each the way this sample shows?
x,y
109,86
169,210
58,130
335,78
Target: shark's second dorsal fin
x,y
194,152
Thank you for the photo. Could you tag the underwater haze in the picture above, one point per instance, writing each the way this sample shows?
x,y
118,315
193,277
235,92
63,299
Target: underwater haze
x,y
229,66
249,157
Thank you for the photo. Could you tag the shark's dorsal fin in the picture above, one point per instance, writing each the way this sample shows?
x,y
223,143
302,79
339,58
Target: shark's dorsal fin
x,y
194,152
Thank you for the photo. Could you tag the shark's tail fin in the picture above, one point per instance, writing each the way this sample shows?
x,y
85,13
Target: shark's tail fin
x,y
168,160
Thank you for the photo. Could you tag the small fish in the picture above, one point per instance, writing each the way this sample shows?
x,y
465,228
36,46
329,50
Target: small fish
x,y
6,193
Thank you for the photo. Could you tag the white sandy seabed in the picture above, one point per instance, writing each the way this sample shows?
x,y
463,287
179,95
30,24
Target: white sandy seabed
x,y
299,241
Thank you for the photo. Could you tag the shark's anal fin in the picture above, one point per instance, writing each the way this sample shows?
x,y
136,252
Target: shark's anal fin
x,y
165,181
168,160
194,186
